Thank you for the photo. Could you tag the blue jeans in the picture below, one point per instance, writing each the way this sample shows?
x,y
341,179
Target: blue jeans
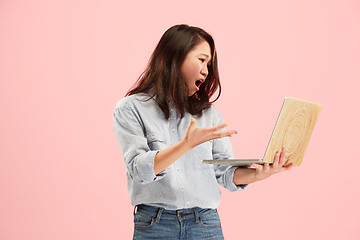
x,y
194,223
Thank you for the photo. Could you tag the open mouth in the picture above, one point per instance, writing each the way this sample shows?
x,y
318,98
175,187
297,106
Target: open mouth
x,y
198,83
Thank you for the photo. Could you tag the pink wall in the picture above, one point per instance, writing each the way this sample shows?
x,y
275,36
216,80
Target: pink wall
x,y
64,65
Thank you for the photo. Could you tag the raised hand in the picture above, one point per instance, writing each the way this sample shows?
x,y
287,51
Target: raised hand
x,y
196,135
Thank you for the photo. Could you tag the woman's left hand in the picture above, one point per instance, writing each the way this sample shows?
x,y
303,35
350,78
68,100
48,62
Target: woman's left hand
x,y
266,170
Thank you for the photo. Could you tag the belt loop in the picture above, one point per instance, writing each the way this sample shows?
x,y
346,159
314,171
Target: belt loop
x,y
158,215
135,208
197,218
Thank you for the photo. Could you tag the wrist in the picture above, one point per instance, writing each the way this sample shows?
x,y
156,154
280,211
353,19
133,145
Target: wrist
x,y
185,144
259,176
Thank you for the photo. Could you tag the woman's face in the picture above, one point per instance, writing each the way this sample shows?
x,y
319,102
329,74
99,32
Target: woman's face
x,y
195,66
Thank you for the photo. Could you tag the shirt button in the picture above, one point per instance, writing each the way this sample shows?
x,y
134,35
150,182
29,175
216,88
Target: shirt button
x,y
181,187
173,129
178,169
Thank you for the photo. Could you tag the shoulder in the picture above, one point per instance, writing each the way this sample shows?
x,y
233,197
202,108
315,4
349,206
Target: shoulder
x,y
212,111
130,102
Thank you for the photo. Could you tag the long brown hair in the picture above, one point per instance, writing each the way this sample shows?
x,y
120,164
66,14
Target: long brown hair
x,y
162,77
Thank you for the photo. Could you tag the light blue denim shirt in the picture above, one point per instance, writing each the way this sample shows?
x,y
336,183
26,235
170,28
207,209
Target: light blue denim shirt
x,y
142,130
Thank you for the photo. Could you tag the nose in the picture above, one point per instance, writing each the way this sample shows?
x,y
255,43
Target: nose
x,y
204,71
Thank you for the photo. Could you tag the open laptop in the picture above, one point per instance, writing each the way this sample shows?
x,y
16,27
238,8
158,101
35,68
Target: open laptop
x,y
292,131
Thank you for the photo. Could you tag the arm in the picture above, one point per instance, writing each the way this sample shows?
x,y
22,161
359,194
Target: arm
x,y
194,136
261,172
142,163
138,156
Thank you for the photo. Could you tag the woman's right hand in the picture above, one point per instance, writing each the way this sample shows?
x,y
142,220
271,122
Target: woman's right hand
x,y
196,135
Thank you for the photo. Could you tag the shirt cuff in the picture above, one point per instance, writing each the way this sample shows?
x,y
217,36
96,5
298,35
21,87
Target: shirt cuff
x,y
145,168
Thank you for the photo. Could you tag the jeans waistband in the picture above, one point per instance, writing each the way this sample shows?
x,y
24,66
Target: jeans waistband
x,y
186,213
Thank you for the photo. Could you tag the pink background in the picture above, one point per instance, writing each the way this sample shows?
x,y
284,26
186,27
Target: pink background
x,y
65,64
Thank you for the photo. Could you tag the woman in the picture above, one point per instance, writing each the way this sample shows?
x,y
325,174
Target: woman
x,y
165,126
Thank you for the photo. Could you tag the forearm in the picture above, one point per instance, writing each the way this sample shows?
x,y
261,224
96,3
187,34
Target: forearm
x,y
168,156
244,176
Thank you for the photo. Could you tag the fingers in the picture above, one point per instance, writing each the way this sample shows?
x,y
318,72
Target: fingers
x,y
210,129
288,166
208,133
266,167
231,132
279,159
259,167
276,160
220,134
224,134
218,127
266,170
282,157
192,122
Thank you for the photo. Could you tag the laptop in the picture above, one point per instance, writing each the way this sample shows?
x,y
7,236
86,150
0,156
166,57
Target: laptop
x,y
292,131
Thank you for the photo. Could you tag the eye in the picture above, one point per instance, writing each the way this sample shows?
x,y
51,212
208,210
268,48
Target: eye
x,y
202,60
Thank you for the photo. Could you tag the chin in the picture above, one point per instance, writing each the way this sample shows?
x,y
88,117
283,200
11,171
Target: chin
x,y
192,93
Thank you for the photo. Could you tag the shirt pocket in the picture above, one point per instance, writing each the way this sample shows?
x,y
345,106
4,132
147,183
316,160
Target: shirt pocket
x,y
156,141
202,152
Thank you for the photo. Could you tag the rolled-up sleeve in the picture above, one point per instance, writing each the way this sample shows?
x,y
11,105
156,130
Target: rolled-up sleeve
x,y
139,158
222,149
